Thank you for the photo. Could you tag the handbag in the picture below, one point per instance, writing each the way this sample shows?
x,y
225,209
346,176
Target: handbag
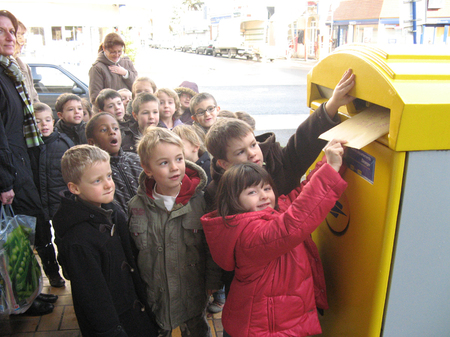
x,y
20,274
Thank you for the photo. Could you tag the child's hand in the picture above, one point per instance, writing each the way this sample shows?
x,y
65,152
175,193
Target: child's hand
x,y
340,94
334,151
118,70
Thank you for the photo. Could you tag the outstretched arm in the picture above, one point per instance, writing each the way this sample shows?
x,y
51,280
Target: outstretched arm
x,y
340,94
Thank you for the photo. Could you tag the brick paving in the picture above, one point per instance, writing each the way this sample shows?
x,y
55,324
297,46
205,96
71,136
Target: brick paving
x,y
62,322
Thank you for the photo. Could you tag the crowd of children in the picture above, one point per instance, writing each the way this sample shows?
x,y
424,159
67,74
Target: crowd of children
x,y
162,199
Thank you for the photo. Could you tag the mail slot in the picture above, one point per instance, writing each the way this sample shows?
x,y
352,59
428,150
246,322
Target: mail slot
x,y
385,246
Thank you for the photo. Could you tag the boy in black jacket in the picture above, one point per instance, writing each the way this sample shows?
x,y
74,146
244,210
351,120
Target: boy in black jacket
x,y
95,251
70,113
49,183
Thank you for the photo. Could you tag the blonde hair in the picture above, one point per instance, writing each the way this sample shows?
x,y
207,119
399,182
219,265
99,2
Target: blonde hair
x,y
171,93
153,136
78,158
187,132
142,79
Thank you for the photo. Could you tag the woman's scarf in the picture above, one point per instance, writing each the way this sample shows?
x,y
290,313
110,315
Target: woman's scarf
x,y
30,130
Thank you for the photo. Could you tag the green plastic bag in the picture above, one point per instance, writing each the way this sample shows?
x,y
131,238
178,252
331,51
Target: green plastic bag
x,y
20,273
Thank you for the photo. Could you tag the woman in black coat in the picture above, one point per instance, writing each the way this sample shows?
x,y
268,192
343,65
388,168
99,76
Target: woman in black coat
x,y
19,137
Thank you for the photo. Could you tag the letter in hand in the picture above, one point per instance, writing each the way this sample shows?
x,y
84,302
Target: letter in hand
x,y
340,95
334,152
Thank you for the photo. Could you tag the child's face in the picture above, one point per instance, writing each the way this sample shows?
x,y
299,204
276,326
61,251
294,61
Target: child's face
x,y
107,135
148,115
205,113
96,185
166,106
126,97
86,116
257,197
190,150
44,121
185,99
115,107
142,86
167,167
242,150
72,112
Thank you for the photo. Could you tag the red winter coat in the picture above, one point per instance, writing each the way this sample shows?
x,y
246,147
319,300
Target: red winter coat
x,y
272,293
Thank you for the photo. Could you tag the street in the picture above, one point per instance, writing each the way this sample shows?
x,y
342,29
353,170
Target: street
x,y
274,93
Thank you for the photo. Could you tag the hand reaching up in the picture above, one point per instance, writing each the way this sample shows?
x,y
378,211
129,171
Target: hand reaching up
x,y
340,94
334,151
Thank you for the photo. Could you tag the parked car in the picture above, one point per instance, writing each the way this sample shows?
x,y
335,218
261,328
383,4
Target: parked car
x,y
52,80
206,49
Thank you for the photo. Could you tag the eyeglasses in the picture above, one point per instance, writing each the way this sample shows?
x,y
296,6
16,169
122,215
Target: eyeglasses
x,y
209,109
115,52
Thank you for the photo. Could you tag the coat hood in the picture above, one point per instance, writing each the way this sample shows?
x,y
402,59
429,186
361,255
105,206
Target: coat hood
x,y
193,182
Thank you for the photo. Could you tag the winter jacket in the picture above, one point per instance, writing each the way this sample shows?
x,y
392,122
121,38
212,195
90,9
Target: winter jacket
x,y
272,293
15,161
100,77
186,117
205,163
176,122
130,136
95,252
77,132
286,165
173,258
50,179
126,169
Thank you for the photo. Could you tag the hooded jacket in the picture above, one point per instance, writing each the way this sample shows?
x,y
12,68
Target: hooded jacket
x,y
272,293
95,252
173,258
130,136
100,77
51,182
286,165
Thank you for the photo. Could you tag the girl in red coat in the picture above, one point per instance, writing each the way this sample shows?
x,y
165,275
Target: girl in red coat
x,y
266,241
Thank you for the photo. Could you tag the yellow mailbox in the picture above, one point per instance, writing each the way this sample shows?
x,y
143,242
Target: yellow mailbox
x,y
385,246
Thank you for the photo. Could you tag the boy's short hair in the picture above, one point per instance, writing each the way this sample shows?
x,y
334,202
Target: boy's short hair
x,y
151,138
197,99
171,93
105,94
79,157
90,126
142,98
41,107
63,99
142,79
221,132
226,114
87,106
187,132
246,117
123,90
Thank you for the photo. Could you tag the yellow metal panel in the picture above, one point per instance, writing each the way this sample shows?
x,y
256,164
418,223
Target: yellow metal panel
x,y
356,248
412,81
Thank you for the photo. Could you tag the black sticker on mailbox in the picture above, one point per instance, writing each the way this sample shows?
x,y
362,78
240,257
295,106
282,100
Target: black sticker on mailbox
x,y
362,163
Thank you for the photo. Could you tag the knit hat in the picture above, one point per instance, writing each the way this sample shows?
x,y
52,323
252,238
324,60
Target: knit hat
x,y
186,87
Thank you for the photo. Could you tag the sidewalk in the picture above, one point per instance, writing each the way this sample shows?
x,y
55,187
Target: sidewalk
x,y
62,322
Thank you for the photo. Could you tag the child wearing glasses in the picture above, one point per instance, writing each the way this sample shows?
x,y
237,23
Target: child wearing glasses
x,y
204,112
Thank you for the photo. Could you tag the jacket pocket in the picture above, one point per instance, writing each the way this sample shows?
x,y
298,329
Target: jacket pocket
x,y
138,229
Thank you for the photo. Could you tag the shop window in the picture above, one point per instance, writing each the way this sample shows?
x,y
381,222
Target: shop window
x,y
56,33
